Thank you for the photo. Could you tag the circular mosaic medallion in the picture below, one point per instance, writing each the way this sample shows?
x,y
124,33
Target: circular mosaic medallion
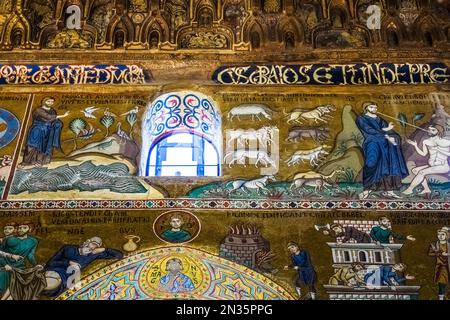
x,y
9,127
177,226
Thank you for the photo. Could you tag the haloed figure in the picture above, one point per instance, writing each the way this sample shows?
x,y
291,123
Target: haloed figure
x,y
306,275
438,150
175,281
44,134
384,164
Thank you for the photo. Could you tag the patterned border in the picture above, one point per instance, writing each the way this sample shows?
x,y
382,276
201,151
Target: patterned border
x,y
222,204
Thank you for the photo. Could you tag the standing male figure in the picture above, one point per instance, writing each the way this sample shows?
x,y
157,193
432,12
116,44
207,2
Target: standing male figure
x,y
21,248
384,164
382,233
438,150
9,230
441,250
306,275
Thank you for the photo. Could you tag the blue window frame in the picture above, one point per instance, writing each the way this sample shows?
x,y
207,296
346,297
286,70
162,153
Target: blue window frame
x,y
184,154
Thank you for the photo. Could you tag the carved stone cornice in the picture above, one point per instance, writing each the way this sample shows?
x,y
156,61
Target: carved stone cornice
x,y
191,56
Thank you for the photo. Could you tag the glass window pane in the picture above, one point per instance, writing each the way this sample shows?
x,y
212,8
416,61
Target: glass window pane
x,y
210,154
184,155
179,156
153,157
180,138
179,171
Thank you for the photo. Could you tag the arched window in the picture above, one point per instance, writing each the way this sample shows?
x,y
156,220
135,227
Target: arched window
x,y
289,40
205,17
428,39
362,255
181,136
347,256
392,39
153,39
119,39
255,40
16,38
378,258
338,17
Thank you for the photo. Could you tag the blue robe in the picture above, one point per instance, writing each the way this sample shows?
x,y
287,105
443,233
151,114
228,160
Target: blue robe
x,y
306,273
382,160
60,262
43,137
384,276
177,283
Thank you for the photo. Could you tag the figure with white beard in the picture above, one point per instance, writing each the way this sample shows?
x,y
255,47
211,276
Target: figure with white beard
x,y
438,150
61,268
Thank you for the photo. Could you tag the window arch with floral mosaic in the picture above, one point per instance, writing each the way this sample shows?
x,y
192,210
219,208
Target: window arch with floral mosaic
x,y
181,136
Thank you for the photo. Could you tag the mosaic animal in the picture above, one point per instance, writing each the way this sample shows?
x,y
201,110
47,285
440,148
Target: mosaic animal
x,y
319,114
316,175
238,156
100,146
109,113
258,184
263,135
311,178
122,134
312,155
319,184
89,112
318,134
253,110
135,110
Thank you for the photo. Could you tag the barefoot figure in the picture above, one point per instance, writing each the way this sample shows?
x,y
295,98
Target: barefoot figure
x,y
44,135
438,150
384,164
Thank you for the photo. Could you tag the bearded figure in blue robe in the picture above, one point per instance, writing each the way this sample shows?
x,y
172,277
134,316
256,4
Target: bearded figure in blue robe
x,y
44,135
384,164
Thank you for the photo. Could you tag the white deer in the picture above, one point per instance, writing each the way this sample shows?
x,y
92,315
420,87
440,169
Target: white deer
x,y
258,184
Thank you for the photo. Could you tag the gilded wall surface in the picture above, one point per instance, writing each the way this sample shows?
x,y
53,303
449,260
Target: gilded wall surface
x,y
311,151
